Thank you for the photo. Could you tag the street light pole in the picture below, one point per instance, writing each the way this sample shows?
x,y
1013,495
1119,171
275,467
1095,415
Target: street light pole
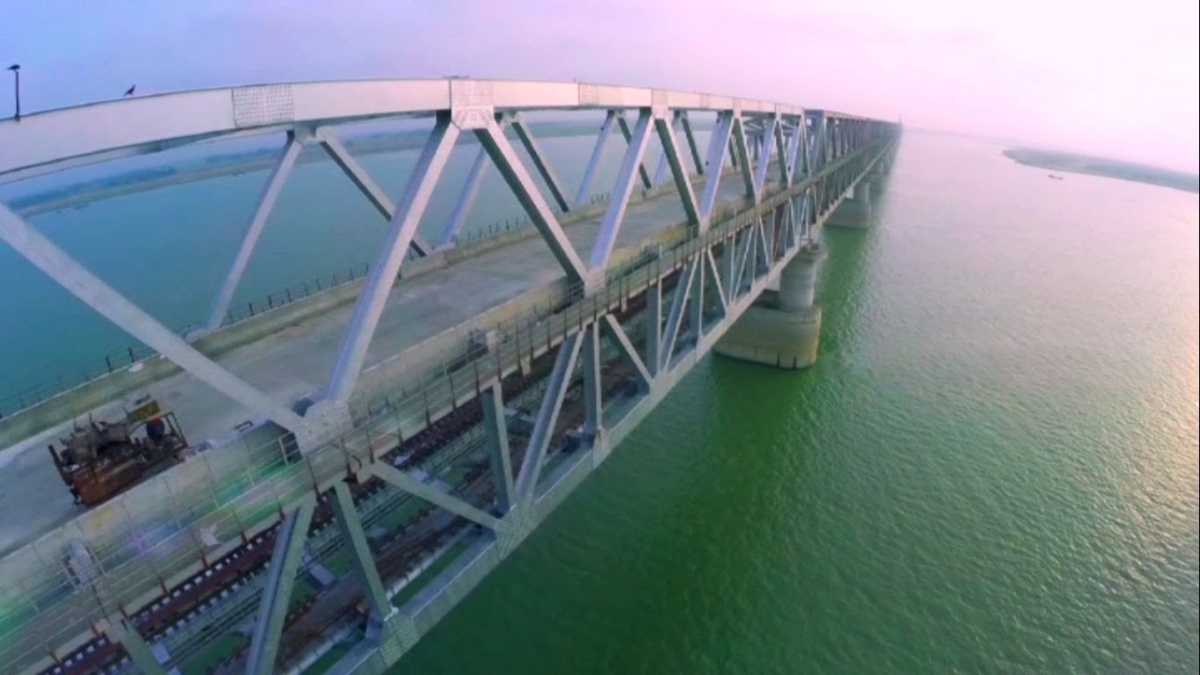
x,y
16,71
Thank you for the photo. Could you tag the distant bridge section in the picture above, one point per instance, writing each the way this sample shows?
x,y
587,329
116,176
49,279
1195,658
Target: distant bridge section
x,y
462,391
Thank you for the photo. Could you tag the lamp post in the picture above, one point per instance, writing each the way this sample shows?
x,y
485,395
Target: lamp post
x,y
16,71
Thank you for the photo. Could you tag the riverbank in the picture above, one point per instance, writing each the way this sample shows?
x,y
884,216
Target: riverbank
x,y
1109,168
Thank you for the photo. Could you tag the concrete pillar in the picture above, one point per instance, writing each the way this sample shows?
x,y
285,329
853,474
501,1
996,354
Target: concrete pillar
x,y
782,328
856,210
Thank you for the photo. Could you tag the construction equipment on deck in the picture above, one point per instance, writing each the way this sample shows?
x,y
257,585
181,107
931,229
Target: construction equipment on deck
x,y
102,459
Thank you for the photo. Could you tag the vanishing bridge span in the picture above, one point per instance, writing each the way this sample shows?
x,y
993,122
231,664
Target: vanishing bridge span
x,y
374,448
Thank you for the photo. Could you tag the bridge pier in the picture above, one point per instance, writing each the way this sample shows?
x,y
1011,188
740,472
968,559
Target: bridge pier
x,y
782,328
857,210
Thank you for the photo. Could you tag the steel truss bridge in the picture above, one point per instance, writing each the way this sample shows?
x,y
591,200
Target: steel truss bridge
x,y
341,527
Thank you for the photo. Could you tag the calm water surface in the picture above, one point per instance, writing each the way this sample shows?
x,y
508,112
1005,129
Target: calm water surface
x,y
993,467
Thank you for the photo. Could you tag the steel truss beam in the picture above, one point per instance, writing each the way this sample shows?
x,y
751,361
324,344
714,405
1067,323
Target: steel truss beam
x,y
660,169
691,141
547,417
718,144
365,570
744,160
683,181
332,145
653,325
610,226
444,500
266,203
678,306
495,425
378,286
764,155
624,126
92,291
540,163
627,348
593,397
277,590
610,119
526,191
716,277
466,200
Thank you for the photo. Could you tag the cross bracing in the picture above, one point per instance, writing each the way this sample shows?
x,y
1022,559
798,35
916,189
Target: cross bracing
x,y
793,167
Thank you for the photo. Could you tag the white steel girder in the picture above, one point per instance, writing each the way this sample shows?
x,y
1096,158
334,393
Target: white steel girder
x,y
432,494
266,203
540,162
718,144
526,191
610,119
382,277
744,161
547,417
683,182
332,145
624,127
610,226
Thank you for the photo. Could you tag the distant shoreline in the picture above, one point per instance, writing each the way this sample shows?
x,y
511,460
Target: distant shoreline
x,y
1108,168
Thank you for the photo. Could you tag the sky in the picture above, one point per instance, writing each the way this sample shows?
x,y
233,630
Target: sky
x,y
1112,78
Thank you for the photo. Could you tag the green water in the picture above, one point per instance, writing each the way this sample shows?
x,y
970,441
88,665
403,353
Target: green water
x,y
993,467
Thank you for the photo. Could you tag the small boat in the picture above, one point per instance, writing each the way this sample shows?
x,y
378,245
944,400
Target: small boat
x,y
1054,176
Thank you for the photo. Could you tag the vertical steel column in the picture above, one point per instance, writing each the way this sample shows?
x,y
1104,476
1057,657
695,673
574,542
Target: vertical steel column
x,y
654,327
496,425
76,279
277,590
593,398
378,285
660,169
266,203
364,564
597,152
698,297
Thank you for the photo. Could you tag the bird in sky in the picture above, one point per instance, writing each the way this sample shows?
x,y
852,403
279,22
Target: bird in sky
x,y
129,91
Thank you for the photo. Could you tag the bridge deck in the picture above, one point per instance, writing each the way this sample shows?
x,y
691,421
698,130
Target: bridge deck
x,y
297,360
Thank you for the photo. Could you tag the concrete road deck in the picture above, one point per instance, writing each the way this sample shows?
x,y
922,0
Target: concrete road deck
x,y
297,361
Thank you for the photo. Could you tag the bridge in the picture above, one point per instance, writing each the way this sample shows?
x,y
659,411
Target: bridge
x,y
374,447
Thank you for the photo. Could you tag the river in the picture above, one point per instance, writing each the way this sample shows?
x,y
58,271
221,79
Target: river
x,y
992,467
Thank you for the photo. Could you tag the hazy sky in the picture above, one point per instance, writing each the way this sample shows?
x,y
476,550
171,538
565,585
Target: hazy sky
x,y
1103,77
